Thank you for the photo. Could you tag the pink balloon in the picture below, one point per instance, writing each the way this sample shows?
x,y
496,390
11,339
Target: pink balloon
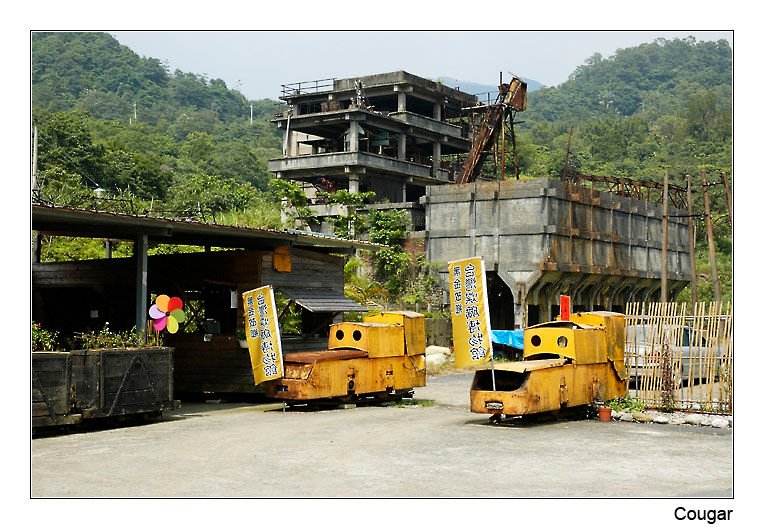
x,y
160,323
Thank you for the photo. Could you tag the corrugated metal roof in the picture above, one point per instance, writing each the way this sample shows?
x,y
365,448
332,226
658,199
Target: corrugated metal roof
x,y
321,299
99,224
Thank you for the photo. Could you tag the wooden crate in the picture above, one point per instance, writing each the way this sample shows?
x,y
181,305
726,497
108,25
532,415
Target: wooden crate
x,y
51,390
114,382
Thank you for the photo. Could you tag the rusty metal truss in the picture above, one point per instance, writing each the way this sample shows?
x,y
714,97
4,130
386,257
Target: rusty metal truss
x,y
646,190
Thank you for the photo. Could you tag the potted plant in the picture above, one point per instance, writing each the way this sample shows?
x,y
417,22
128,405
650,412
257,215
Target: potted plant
x,y
242,337
605,413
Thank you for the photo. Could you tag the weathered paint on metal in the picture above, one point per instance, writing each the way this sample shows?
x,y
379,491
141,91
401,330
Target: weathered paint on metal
x,y
342,378
614,325
413,327
379,357
566,364
547,389
377,339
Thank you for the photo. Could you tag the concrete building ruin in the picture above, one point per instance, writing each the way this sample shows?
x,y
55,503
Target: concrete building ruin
x,y
544,237
404,137
393,134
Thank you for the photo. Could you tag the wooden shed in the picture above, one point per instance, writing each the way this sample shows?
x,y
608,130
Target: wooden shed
x,y
305,269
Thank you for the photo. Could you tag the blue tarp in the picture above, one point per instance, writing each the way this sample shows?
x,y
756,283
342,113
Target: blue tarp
x,y
510,338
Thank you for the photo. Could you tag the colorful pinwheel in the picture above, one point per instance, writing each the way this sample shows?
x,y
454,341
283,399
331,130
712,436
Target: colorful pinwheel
x,y
167,313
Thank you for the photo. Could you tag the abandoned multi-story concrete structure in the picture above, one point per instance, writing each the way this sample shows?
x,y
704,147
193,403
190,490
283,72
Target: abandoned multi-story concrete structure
x,y
401,136
393,134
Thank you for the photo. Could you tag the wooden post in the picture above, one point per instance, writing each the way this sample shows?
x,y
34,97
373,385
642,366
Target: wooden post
x,y
711,244
691,229
664,246
729,198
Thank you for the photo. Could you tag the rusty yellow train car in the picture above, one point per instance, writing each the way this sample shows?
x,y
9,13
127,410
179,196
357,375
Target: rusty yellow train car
x,y
565,364
381,357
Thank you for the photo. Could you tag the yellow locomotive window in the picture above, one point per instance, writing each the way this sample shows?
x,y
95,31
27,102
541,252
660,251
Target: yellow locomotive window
x,y
356,335
535,340
562,342
339,334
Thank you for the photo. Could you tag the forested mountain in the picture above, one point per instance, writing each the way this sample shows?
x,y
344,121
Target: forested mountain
x,y
181,144
108,118
663,106
478,88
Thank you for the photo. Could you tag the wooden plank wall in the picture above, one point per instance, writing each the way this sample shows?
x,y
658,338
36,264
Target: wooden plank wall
x,y
309,270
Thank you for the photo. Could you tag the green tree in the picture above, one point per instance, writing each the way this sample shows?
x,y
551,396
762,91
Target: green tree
x,y
352,224
295,200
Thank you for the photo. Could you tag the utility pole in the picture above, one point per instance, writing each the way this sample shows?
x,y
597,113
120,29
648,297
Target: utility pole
x,y
34,161
711,244
567,154
135,111
251,113
664,251
36,238
691,229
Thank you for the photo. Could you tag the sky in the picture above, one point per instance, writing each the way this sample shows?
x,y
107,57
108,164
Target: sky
x,y
257,63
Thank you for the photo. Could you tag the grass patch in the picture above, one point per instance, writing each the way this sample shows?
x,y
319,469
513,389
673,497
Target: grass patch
x,y
425,403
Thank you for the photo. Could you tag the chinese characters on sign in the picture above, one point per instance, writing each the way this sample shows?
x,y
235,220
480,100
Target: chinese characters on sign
x,y
469,312
263,339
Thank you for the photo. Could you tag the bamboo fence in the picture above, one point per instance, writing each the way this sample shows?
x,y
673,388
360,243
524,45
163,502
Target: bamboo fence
x,y
680,357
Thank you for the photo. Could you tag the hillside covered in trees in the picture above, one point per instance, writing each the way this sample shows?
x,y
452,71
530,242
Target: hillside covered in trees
x,y
180,144
661,106
108,118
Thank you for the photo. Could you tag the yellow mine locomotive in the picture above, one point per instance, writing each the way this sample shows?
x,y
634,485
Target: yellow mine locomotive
x,y
384,356
566,363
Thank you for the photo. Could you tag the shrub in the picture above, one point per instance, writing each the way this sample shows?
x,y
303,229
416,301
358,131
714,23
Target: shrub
x,y
43,339
626,403
107,339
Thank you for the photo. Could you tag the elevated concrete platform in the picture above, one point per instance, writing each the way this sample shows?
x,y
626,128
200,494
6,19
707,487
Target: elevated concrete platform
x,y
541,238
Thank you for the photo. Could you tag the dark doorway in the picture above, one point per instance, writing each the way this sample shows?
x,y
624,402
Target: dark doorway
x,y
501,303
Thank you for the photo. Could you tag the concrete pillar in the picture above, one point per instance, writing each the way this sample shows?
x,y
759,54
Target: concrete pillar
x,y
402,147
435,157
353,183
140,247
519,314
403,192
436,111
401,101
353,136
